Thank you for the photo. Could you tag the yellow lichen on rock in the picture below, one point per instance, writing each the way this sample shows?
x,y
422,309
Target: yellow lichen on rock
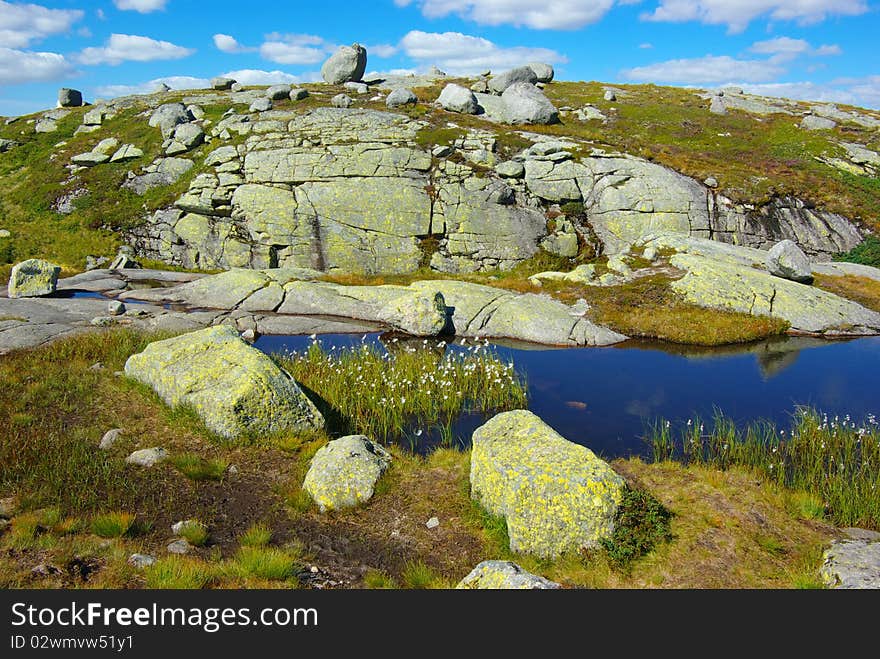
x,y
556,496
236,389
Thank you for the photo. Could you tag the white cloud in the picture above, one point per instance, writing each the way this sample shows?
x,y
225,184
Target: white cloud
x,y
259,77
21,24
175,82
382,50
19,66
462,54
826,50
132,48
294,48
707,70
864,92
140,6
781,46
547,15
737,14
229,44
646,46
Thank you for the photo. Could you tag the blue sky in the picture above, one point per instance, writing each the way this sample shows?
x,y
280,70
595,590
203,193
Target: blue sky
x,y
813,49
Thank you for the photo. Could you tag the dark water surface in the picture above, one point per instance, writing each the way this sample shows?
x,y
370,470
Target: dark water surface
x,y
604,398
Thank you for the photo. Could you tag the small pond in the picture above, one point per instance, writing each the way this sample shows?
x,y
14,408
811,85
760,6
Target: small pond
x,y
605,398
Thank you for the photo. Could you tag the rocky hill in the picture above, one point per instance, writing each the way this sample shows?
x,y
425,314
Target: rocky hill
x,y
264,178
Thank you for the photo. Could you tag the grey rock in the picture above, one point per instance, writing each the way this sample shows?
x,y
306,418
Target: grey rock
x,y
167,117
442,151
123,261
147,457
106,146
862,534
161,88
456,98
278,92
126,152
179,547
813,122
786,260
90,159
195,111
45,126
510,169
711,182
94,117
342,101
298,94
852,564
432,523
32,278
190,135
222,84
523,74
5,145
480,87
718,106
261,105
115,308
344,473
357,87
141,561
69,98
5,233
110,438
543,72
103,321
526,104
400,97
504,575
348,64
610,96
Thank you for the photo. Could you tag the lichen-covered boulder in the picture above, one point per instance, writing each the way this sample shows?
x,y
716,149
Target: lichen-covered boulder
x,y
419,314
344,473
33,278
456,98
401,97
502,81
786,260
236,389
544,72
168,116
504,575
556,496
526,104
348,64
852,564
222,84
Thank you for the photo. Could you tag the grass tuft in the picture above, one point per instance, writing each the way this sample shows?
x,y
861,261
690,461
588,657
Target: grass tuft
x,y
642,522
112,525
269,563
178,573
197,468
259,535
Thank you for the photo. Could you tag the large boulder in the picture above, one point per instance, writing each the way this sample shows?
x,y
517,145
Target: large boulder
x,y
348,64
168,116
456,98
33,278
544,72
279,92
504,575
502,81
69,98
401,97
344,473
526,104
786,260
236,389
419,315
222,84
556,496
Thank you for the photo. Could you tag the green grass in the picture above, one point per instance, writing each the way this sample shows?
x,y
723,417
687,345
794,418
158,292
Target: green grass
x,y
259,535
269,563
419,576
379,394
379,580
49,402
178,573
197,468
112,525
866,253
194,532
834,462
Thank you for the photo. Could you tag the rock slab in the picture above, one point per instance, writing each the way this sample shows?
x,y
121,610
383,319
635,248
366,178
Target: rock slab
x,y
236,389
556,496
852,564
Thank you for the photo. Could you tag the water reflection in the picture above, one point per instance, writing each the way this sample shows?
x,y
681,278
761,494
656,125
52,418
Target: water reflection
x,y
604,398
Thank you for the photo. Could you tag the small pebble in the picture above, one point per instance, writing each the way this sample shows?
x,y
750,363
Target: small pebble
x,y
433,523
